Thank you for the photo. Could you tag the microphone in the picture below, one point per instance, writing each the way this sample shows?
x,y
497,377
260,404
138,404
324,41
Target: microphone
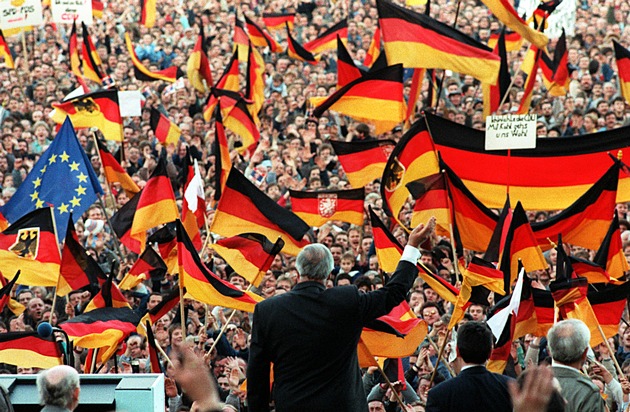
x,y
44,329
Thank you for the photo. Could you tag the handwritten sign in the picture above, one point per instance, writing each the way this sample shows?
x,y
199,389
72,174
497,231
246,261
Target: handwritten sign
x,y
511,132
20,13
66,11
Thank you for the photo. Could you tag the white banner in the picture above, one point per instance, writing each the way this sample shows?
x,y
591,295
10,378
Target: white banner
x,y
511,132
66,11
20,13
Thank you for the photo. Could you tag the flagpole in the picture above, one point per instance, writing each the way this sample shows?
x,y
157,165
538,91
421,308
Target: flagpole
x,y
227,322
93,364
181,302
610,351
435,346
54,301
439,358
159,348
391,386
437,101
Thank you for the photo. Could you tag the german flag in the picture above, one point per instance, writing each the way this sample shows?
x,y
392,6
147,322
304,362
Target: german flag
x,y
98,109
148,266
317,208
73,51
560,79
504,11
444,289
374,49
493,95
30,245
198,68
205,286
29,350
156,204
431,196
478,273
166,241
244,208
109,296
413,158
395,335
78,269
530,82
255,82
608,303
229,80
347,71
520,244
363,162
240,40
260,38
622,56
170,300
249,254
473,222
586,221
5,295
327,40
414,92
513,40
296,51
388,250
193,202
593,272
550,177
277,21
376,98
165,131
148,13
122,222
418,41
610,253
102,327
97,9
154,357
222,161
92,65
237,118
114,172
143,74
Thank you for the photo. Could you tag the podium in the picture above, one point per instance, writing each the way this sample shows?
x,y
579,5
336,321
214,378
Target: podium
x,y
99,393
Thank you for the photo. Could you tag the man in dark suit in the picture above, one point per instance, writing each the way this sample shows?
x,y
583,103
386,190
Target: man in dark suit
x,y
311,334
475,388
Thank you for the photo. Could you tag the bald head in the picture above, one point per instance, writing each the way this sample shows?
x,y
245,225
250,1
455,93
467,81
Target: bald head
x,y
59,386
315,262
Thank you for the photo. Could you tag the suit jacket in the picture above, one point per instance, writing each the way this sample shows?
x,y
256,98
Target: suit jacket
x,y
579,391
310,335
474,389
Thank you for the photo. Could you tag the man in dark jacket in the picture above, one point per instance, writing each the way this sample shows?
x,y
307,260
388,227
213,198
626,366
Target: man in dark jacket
x,y
311,334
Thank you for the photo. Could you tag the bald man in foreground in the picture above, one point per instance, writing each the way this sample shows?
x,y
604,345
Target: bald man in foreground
x,y
59,389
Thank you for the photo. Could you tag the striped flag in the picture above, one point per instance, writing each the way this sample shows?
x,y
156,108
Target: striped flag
x,y
317,208
326,41
165,131
363,162
170,74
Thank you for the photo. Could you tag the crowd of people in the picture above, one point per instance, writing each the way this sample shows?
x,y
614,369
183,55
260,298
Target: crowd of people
x,y
294,153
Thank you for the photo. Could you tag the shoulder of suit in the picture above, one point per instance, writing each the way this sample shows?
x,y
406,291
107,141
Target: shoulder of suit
x,y
585,381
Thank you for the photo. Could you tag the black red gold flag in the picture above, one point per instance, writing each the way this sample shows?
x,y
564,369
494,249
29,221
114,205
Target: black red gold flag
x,y
363,162
29,350
237,117
154,357
317,208
73,52
142,73
513,40
326,41
240,40
229,80
431,196
222,161
114,172
148,13
622,57
347,71
92,65
148,266
296,51
504,11
277,21
419,41
494,94
244,208
198,67
109,296
165,131
260,38
374,49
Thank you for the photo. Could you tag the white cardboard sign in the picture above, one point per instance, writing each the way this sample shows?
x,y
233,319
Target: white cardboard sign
x,y
20,13
511,132
66,11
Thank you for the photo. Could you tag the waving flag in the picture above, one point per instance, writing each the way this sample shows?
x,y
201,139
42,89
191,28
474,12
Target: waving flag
x,y
347,71
260,38
229,80
363,162
296,51
114,172
277,21
374,49
240,40
148,266
6,52
431,196
165,131
141,73
63,161
29,350
148,13
327,40
504,11
513,40
317,208
493,95
622,56
92,65
222,161
198,67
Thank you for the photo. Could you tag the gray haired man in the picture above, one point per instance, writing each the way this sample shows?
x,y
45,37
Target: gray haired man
x,y
569,342
59,389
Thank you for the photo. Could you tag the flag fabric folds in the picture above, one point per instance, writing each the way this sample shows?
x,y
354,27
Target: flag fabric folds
x,y
374,49
493,94
261,38
610,254
78,269
91,62
148,266
513,40
347,71
413,157
63,161
109,296
240,40
5,52
376,98
73,52
550,177
114,172
165,131
418,41
142,73
326,41
98,109
244,208
203,285
431,196
317,208
5,295
363,162
608,304
388,249
154,357
622,57
296,51
193,202
530,81
249,254
237,117
148,13
504,11
222,161
198,67
29,350
229,80
255,82
277,21
122,222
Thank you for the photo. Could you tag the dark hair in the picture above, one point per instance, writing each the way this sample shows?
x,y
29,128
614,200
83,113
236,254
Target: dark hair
x,y
474,342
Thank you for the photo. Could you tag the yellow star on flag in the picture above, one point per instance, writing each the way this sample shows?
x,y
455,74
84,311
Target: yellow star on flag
x,y
34,196
52,159
82,178
63,208
37,182
75,201
80,190
64,156
74,166
39,204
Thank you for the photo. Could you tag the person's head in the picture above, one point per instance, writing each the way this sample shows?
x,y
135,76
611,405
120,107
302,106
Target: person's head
x,y
315,262
59,386
376,405
347,262
154,299
474,342
569,341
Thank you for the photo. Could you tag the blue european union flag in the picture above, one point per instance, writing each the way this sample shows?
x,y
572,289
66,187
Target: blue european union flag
x,y
62,178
